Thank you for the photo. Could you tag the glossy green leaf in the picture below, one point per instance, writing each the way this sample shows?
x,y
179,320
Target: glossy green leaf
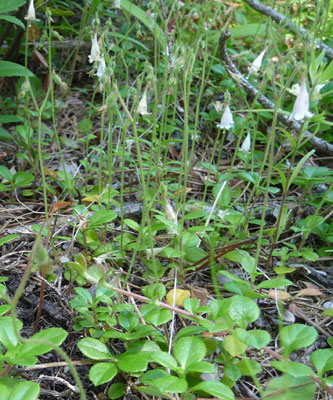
x,y
102,217
290,388
233,345
102,372
249,367
8,68
189,350
322,359
292,368
8,337
170,384
255,338
132,363
164,359
35,345
216,389
25,390
243,310
8,239
10,5
116,390
94,349
297,336
274,283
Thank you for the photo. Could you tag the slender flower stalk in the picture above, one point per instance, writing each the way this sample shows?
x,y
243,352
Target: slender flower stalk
x,y
301,105
227,121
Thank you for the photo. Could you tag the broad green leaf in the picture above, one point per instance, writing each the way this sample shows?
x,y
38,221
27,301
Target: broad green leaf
x,y
233,345
216,389
8,239
8,68
327,74
94,349
144,347
292,368
257,339
170,384
8,337
25,390
10,5
164,359
102,217
322,359
202,366
243,310
249,367
132,363
13,20
5,173
297,336
128,320
53,335
102,372
189,350
274,283
290,388
156,316
116,390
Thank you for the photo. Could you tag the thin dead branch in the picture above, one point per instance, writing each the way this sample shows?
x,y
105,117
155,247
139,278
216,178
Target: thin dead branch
x,y
318,144
284,21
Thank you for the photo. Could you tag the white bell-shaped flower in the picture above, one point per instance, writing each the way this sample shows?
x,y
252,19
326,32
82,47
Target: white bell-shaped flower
x,y
95,53
255,66
246,146
301,105
227,121
142,107
31,16
101,68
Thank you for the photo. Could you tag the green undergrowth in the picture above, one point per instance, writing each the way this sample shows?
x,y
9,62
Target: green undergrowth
x,y
127,153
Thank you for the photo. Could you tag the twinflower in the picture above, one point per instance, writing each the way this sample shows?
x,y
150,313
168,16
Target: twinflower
x,y
101,68
301,105
255,66
142,107
227,121
31,16
95,53
245,147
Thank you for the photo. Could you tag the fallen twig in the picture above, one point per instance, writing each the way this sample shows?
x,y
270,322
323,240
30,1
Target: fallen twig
x,y
284,21
317,143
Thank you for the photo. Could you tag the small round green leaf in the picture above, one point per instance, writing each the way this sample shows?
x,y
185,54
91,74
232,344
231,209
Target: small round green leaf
x,y
322,359
94,349
25,390
102,372
189,350
216,389
297,336
116,390
292,368
257,339
132,363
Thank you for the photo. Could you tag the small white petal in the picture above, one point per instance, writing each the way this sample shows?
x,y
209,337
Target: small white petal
x,y
246,146
31,16
142,107
227,121
101,68
255,66
95,53
301,106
